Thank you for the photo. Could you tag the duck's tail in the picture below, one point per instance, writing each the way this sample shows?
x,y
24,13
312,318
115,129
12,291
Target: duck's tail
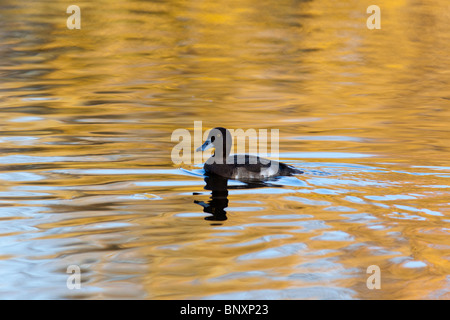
x,y
290,170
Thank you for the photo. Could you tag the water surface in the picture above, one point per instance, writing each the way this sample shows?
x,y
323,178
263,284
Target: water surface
x,y
87,177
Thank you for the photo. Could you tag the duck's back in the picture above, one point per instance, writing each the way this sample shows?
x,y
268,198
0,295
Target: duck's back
x,y
248,167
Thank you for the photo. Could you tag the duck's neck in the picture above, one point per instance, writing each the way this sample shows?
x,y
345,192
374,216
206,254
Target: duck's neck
x,y
222,150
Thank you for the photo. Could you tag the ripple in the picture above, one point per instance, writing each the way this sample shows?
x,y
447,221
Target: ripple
x,y
18,159
391,197
426,211
414,264
330,138
277,252
308,201
334,236
323,155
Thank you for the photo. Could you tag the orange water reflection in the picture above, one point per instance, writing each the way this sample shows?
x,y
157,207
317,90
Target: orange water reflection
x,y
87,178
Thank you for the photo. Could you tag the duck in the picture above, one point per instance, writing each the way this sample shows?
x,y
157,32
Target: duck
x,y
239,167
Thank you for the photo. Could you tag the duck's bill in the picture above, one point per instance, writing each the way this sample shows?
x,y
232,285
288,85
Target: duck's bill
x,y
205,146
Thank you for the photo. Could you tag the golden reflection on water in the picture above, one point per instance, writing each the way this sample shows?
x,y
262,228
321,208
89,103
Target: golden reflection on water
x,y
87,178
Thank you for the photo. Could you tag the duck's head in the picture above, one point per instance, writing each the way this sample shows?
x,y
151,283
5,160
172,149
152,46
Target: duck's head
x,y
219,138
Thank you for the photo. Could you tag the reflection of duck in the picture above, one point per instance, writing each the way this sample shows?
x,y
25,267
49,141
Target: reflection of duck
x,y
219,195
239,167
219,198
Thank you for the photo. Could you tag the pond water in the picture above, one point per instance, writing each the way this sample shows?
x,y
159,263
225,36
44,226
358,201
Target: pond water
x,y
87,177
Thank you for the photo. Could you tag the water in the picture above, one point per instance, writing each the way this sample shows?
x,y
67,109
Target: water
x,y
87,177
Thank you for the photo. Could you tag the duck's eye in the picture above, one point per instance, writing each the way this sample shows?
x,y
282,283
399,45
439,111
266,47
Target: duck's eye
x,y
213,138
